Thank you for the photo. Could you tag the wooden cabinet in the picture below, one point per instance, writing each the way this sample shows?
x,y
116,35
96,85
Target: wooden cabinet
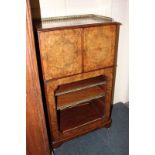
x,y
78,61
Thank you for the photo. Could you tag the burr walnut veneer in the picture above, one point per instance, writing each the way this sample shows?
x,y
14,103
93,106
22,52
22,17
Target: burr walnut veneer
x,y
78,61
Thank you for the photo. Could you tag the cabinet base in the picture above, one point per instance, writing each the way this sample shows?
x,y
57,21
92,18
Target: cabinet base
x,y
59,142
108,124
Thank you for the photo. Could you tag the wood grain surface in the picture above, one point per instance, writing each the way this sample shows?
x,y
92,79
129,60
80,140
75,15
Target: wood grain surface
x,y
74,98
99,45
37,142
79,85
72,54
60,53
80,115
51,86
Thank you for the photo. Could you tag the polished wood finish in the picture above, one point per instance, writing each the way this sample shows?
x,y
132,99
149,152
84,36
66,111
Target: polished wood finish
x,y
83,84
81,115
78,64
75,132
51,87
36,134
74,98
60,53
99,43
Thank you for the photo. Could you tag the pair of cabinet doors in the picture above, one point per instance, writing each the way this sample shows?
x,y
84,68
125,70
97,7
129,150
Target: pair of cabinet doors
x,y
71,51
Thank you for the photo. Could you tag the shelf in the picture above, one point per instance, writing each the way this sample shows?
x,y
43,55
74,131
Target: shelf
x,y
78,97
82,114
83,84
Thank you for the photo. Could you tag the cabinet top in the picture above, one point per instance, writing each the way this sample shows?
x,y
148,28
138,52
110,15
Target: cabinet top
x,y
72,21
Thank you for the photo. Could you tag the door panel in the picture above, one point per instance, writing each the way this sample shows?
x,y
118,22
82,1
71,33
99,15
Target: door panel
x,y
60,53
99,47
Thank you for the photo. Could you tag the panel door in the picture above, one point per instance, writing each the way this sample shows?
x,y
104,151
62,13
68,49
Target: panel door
x,y
60,53
99,47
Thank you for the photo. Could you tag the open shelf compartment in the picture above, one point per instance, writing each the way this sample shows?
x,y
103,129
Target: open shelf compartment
x,y
79,92
80,103
82,114
83,84
85,95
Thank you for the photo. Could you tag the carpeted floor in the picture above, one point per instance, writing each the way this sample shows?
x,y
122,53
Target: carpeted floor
x,y
112,141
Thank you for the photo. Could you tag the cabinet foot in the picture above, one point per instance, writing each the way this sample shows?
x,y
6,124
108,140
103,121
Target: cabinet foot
x,y
108,124
56,144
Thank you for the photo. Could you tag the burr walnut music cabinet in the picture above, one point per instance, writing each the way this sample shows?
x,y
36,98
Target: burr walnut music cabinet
x,y
78,64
